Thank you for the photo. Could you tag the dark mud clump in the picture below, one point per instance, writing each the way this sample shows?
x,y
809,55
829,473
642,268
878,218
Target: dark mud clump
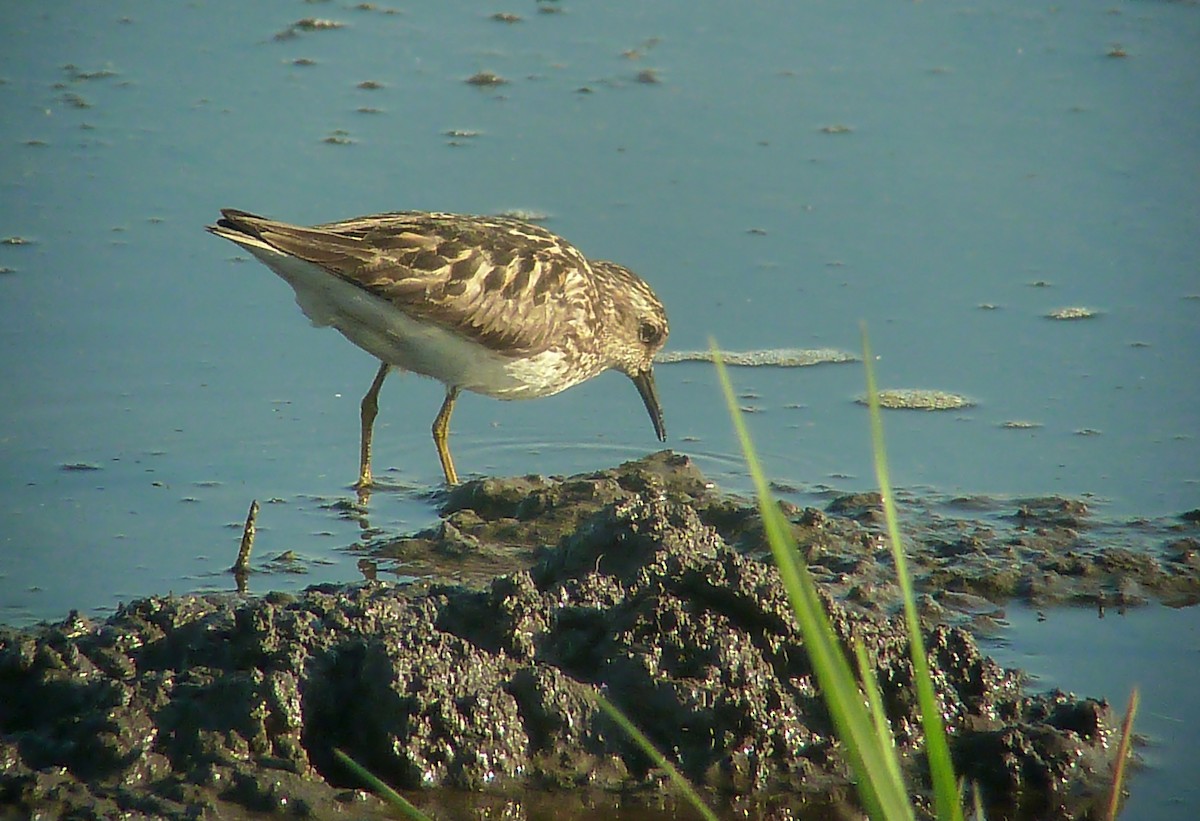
x,y
639,582
965,552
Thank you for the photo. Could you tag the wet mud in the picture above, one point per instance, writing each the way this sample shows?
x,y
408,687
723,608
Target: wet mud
x,y
473,688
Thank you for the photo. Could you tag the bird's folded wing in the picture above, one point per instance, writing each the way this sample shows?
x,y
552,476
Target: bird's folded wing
x,y
503,283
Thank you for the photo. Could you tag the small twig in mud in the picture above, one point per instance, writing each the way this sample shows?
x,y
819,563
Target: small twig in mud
x,y
241,567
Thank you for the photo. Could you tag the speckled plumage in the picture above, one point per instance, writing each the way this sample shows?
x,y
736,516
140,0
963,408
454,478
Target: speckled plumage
x,y
492,305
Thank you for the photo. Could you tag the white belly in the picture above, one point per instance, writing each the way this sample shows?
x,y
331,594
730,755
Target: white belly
x,y
379,328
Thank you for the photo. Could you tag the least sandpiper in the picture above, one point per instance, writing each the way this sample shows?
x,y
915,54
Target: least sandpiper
x,y
486,304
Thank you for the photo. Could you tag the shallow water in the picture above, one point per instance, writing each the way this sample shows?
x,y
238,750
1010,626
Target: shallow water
x,y
950,174
1155,649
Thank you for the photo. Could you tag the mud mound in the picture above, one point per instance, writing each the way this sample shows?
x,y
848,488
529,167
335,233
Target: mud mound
x,y
190,706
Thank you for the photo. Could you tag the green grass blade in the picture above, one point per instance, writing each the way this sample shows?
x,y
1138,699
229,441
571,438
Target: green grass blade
x,y
658,758
1114,797
883,727
882,794
381,789
977,803
937,750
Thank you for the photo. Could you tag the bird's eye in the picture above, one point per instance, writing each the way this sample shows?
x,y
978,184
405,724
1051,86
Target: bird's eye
x,y
649,333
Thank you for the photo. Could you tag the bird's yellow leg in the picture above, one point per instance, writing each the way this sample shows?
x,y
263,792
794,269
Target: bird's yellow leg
x,y
441,433
369,410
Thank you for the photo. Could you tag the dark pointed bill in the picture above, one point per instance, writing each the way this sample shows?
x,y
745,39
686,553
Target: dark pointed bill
x,y
645,386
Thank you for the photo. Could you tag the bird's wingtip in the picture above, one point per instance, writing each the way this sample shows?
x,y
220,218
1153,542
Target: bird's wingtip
x,y
236,221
